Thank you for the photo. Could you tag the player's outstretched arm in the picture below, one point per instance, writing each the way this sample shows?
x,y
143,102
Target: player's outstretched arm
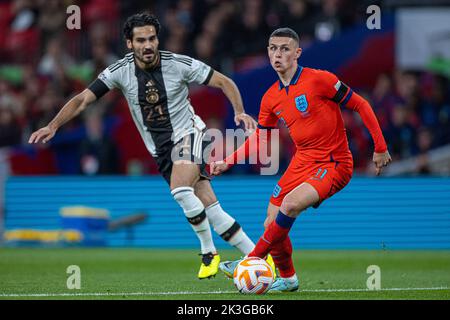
x,y
381,156
250,147
231,91
332,88
70,110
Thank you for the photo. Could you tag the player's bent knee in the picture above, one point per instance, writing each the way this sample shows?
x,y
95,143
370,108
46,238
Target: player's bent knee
x,y
293,207
299,200
206,198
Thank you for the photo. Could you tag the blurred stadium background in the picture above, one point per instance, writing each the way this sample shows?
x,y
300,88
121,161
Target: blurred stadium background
x,y
98,161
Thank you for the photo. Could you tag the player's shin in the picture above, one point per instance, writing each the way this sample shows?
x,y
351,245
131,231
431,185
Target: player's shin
x,y
228,228
195,213
282,256
276,232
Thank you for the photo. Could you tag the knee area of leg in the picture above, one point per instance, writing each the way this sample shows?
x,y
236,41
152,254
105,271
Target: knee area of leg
x,y
186,198
292,207
206,198
181,193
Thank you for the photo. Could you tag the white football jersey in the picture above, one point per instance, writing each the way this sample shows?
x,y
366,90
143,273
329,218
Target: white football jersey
x,y
157,98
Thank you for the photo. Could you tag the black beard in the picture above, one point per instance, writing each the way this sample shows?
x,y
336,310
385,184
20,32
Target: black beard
x,y
153,63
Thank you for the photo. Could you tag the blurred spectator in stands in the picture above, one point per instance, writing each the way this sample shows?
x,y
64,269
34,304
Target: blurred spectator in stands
x,y
48,105
19,37
401,135
177,22
98,153
423,165
52,19
10,131
277,14
299,19
444,123
425,140
213,42
209,103
185,10
10,109
407,85
102,57
424,144
383,99
24,15
101,33
176,40
13,111
31,91
326,20
435,109
205,50
248,30
55,59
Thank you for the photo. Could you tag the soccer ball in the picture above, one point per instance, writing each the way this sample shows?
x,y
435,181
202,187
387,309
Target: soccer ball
x,y
253,275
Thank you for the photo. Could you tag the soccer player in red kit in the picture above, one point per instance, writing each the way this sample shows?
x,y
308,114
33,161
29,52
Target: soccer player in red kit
x,y
308,101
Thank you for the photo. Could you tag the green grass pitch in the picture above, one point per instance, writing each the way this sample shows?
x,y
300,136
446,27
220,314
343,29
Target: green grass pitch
x,y
171,274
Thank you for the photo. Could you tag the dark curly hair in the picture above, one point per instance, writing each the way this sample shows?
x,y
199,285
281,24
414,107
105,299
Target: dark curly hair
x,y
140,20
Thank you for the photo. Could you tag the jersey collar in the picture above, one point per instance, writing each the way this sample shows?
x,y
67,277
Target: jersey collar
x,y
294,79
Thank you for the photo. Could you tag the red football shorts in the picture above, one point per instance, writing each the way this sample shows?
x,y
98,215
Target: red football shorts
x,y
326,177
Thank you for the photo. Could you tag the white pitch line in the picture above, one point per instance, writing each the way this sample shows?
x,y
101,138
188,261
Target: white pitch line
x,y
367,290
87,294
106,294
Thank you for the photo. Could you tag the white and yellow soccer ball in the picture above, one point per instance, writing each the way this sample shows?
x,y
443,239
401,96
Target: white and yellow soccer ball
x,y
253,275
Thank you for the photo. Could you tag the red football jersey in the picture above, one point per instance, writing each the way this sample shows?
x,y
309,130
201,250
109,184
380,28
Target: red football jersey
x,y
310,108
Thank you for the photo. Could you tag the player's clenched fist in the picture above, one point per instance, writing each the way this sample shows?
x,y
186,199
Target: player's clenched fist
x,y
44,134
218,167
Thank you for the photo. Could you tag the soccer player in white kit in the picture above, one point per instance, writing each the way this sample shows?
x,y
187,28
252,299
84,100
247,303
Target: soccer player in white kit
x,y
155,85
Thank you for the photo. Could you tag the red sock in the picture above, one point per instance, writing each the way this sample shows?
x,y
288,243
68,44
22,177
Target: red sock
x,y
273,234
282,256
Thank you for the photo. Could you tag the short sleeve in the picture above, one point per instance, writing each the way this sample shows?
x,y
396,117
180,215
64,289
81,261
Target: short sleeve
x,y
193,70
266,119
104,82
108,77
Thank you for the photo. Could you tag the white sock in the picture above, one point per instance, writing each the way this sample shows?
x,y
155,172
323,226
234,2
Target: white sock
x,y
228,228
195,213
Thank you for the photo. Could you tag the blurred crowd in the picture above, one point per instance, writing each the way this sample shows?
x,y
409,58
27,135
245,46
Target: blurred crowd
x,y
43,64
413,109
